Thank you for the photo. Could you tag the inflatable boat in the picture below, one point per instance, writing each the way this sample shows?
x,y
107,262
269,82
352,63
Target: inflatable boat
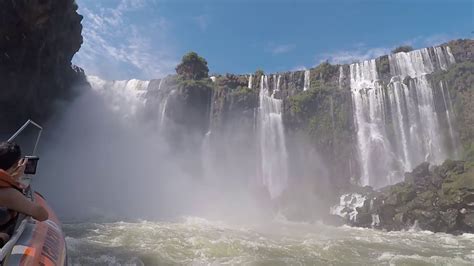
x,y
34,242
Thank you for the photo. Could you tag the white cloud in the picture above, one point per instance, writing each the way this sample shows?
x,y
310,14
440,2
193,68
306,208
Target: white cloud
x,y
202,21
299,68
432,40
277,49
361,52
283,49
354,55
116,48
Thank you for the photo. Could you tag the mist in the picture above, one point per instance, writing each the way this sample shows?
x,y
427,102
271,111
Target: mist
x,y
101,160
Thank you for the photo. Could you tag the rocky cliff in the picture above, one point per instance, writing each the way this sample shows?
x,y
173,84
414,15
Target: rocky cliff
x,y
38,40
438,198
319,118
410,107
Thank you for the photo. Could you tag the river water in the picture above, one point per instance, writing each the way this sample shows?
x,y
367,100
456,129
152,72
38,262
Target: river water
x,y
197,241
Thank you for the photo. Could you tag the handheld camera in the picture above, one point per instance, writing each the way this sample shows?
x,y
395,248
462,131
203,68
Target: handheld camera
x,y
31,165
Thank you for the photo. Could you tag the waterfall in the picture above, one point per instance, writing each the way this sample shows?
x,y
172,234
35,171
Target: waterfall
x,y
206,154
274,168
163,107
126,97
306,80
250,81
163,104
449,112
369,106
397,125
341,77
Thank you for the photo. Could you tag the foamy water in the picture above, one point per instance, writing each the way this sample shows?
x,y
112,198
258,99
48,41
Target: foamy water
x,y
196,241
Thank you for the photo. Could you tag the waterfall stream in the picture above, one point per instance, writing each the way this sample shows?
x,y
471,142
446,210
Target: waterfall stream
x,y
397,124
272,143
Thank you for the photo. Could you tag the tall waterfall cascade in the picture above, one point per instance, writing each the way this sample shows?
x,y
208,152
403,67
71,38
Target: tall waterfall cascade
x,y
448,106
274,155
341,77
397,124
306,80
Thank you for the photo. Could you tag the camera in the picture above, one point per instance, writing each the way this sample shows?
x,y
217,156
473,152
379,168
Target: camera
x,y
31,164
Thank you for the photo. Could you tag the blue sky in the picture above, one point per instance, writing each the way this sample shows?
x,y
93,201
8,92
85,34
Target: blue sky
x,y
145,39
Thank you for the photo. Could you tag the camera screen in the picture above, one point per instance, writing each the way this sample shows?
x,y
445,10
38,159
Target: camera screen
x,y
30,168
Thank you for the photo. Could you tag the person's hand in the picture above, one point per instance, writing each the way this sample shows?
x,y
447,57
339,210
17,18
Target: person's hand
x,y
19,169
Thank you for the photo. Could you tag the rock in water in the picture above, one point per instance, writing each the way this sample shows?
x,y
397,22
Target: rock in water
x,y
439,200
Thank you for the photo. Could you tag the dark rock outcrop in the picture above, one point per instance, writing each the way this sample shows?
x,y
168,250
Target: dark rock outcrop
x,y
462,49
440,199
37,42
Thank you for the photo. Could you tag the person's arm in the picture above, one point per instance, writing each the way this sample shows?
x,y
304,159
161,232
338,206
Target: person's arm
x,y
12,199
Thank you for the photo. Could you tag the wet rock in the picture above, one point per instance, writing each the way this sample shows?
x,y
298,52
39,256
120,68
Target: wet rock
x,y
440,199
449,217
363,220
468,220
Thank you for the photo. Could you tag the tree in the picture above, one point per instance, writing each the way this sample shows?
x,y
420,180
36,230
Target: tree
x,y
403,48
259,73
193,67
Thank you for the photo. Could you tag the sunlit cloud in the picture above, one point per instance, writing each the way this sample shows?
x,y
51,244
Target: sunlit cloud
x,y
116,48
202,22
353,55
277,49
361,51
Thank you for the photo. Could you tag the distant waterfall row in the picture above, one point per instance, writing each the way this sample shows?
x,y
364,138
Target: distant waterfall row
x,y
397,124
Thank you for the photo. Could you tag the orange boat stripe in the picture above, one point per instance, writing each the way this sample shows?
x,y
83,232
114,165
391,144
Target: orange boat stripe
x,y
30,251
25,250
46,261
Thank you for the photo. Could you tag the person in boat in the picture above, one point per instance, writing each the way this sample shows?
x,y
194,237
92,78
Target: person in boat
x,y
12,200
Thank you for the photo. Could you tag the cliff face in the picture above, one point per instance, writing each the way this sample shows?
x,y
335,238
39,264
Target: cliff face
x,y
320,123
458,82
437,198
38,40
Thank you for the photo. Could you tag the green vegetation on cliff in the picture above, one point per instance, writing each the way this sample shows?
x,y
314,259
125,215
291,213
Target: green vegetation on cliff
x,y
193,67
403,48
323,115
231,93
189,100
322,75
433,198
459,79
322,111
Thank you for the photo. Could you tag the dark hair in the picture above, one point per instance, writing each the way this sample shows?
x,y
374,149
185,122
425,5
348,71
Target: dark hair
x,y
10,153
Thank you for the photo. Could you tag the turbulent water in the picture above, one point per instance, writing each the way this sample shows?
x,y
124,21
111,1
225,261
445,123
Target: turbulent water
x,y
397,125
196,241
